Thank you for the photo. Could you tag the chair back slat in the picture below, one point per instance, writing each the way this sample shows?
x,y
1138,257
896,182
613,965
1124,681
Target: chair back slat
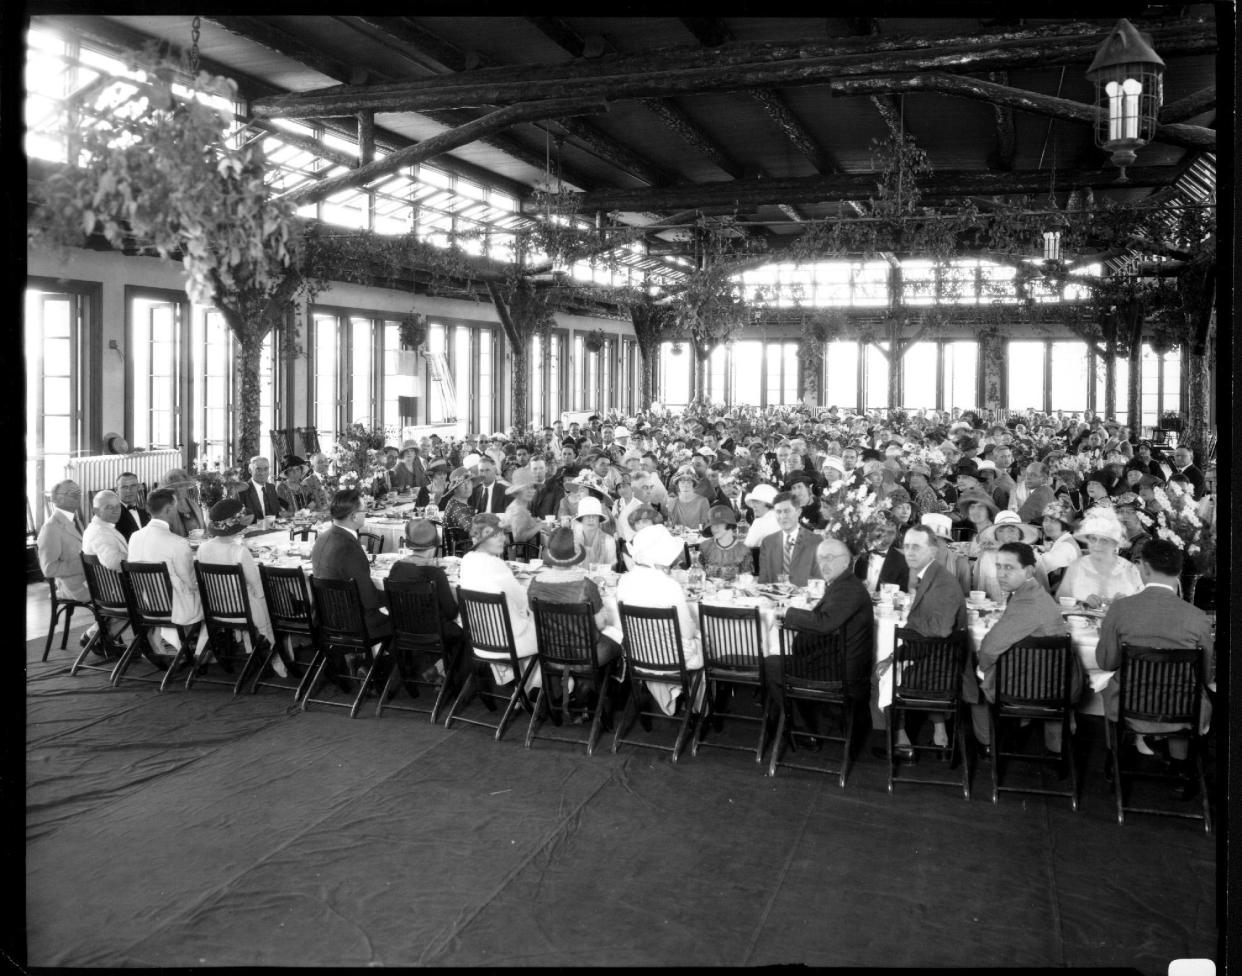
x,y
372,543
414,609
565,633
1160,684
288,597
652,641
928,668
812,661
104,585
223,592
487,620
1036,673
341,619
151,590
732,638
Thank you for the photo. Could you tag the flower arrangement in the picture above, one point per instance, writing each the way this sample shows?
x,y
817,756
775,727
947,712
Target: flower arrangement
x,y
358,447
854,519
1177,520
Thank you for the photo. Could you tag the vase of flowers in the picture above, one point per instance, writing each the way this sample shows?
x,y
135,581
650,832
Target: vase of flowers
x,y
1176,519
854,518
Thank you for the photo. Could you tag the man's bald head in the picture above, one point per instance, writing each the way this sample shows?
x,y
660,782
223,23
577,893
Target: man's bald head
x,y
834,558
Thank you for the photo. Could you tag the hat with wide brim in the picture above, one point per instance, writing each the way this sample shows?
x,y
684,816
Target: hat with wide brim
x,y
176,478
940,524
762,493
562,549
228,517
292,461
421,534
484,526
656,546
977,497
1060,511
456,480
1101,522
115,443
522,478
1030,534
591,506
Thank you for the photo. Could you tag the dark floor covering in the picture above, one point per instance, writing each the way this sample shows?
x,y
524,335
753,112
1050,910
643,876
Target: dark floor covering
x,y
196,829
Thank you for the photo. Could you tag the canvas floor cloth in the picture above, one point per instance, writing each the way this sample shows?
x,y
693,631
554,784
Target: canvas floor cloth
x,y
195,829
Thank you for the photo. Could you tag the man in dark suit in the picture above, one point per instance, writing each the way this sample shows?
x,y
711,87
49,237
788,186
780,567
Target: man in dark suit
x,y
791,551
259,496
133,515
489,495
548,491
1183,463
937,609
420,566
883,562
1155,617
844,606
339,555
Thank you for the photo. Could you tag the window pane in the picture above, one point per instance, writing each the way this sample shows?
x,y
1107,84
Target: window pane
x,y
392,374
554,378
1026,376
919,377
746,373
1069,376
961,364
360,386
717,369
841,389
675,376
325,378
876,365
483,394
1172,381
789,357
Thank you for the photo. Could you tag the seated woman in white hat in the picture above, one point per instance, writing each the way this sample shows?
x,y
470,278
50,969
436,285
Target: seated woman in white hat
x,y
1007,528
1101,575
589,531
760,499
650,584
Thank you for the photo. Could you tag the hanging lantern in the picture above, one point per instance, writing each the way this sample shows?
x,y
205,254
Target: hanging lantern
x,y
1129,89
1052,245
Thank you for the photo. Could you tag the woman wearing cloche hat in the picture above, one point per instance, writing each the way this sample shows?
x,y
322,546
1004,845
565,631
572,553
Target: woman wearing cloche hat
x,y
724,554
1101,575
565,580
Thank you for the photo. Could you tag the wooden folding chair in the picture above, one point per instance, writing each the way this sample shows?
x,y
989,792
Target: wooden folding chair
x,y
150,594
226,613
342,629
372,543
292,613
417,632
927,678
489,635
732,657
60,605
110,605
653,651
567,639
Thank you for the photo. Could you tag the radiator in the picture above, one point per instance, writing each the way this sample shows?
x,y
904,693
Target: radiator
x,y
96,473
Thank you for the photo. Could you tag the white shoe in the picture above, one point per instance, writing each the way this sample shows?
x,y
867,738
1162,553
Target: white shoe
x,y
1141,745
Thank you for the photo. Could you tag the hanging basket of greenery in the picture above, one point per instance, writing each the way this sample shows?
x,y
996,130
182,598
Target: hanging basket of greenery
x,y
1171,421
594,341
413,331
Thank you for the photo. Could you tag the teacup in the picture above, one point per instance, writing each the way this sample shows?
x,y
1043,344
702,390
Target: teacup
x,y
1067,601
978,596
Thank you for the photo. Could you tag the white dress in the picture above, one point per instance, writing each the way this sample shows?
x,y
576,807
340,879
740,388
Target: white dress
x,y
643,586
1082,579
230,550
489,574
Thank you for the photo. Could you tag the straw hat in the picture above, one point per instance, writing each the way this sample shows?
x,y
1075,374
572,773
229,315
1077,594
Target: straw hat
x,y
1030,534
941,525
483,526
176,478
987,464
228,517
1101,522
621,431
1061,512
458,478
562,549
591,506
977,496
1127,499
762,493
655,546
522,478
899,496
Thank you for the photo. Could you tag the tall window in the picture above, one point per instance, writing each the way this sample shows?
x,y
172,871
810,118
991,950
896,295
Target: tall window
x,y
1025,376
534,381
556,350
675,375
437,344
1070,375
484,380
841,375
747,374
361,368
56,326
918,377
1162,384
326,411
392,373
269,373
1122,380
717,372
875,377
211,359
155,345
961,375
591,393
781,373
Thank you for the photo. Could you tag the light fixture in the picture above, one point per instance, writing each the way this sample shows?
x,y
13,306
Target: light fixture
x,y
1052,245
1129,88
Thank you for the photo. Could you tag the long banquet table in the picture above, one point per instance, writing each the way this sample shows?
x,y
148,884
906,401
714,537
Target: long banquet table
x,y
275,548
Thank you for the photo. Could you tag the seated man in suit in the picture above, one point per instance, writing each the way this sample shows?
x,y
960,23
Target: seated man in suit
x,y
489,496
846,607
259,496
883,562
133,516
937,609
420,565
1155,617
791,551
59,547
156,542
1029,612
957,565
339,555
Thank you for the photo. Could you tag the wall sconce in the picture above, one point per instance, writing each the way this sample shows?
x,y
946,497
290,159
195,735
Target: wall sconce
x,y
1129,88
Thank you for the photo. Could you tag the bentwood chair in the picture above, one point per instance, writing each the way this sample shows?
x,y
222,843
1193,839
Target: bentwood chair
x,y
812,669
489,637
653,651
927,677
60,605
342,631
1034,681
292,613
567,640
1159,684
226,615
417,641
732,658
111,608
150,594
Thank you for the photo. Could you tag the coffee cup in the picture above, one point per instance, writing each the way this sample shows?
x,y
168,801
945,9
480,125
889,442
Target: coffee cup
x,y
269,521
1067,601
978,596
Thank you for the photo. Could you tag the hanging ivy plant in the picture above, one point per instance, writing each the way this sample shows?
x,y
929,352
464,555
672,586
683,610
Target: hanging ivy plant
x,y
412,331
594,341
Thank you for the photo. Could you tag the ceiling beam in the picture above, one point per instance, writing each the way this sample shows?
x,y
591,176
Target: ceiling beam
x,y
1178,134
1001,157
502,118
855,186
654,76
1196,103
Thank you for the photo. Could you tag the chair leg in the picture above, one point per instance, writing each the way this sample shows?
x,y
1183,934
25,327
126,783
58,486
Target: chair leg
x,y
892,716
601,702
182,653
627,718
463,696
450,667
384,692
1203,793
1069,756
127,656
994,728
306,684
680,742
64,634
959,743
1115,734
315,675
708,699
536,717
778,743
848,707
518,697
366,683
763,726
51,629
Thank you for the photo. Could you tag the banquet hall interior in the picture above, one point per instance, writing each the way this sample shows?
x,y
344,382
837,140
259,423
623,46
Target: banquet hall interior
x,y
512,303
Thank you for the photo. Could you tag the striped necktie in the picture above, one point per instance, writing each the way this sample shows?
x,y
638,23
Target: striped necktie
x,y
789,548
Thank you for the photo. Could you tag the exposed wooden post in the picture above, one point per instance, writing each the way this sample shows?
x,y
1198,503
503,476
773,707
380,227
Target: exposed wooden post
x,y
366,138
